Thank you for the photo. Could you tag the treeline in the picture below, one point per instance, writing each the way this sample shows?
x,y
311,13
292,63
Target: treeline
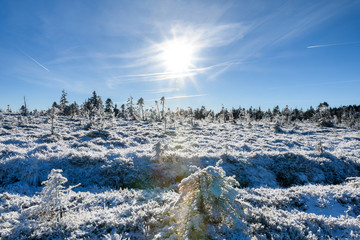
x,y
323,114
94,108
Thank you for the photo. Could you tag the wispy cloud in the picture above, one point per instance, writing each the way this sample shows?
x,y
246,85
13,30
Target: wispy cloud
x,y
334,44
150,77
185,96
162,90
178,97
248,36
129,49
164,76
211,35
144,65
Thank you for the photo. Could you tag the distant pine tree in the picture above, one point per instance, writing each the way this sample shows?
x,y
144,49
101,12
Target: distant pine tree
x,y
74,110
130,108
109,106
116,111
162,102
63,104
141,104
123,110
24,110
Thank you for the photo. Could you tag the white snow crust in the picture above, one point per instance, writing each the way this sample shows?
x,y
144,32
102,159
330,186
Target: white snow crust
x,y
132,175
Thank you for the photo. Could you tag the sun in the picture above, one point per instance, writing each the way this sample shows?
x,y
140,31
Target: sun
x,y
177,55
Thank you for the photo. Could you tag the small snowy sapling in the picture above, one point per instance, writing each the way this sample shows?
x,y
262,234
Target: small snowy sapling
x,y
52,195
207,206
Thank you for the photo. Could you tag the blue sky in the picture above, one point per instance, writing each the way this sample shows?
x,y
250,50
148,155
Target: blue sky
x,y
248,53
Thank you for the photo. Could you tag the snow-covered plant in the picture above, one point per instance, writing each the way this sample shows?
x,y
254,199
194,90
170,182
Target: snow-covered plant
x,y
206,207
277,127
319,147
162,102
152,114
167,169
32,173
165,120
157,111
52,194
141,104
53,115
159,150
354,181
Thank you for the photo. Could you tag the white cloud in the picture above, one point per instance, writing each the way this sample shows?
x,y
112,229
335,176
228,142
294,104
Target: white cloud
x,y
185,96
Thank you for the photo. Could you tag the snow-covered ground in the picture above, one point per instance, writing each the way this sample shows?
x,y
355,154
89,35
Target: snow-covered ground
x,y
300,183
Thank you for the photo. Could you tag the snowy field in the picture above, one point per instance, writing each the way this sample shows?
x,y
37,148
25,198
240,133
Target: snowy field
x,y
201,181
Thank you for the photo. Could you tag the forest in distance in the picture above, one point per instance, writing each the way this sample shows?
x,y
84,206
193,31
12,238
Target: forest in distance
x,y
323,114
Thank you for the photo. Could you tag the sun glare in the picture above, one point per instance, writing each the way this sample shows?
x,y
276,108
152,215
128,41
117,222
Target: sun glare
x,y
177,55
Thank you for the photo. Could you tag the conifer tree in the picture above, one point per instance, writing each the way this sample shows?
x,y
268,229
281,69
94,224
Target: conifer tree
x,y
123,110
162,102
95,105
109,106
130,107
74,110
116,111
24,110
141,104
157,110
206,204
63,103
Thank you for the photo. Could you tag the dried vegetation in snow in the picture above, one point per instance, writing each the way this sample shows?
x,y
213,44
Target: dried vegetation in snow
x,y
202,180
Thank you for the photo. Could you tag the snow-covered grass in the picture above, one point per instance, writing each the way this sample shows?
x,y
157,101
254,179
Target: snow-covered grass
x,y
298,183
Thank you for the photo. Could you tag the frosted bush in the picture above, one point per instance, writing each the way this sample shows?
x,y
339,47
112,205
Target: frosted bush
x,y
167,169
206,207
159,150
277,127
32,173
52,194
319,147
53,112
354,181
170,169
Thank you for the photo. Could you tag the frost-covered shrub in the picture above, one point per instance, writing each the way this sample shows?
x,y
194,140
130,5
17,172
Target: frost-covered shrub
x,y
167,169
53,112
207,207
32,173
52,194
319,147
98,134
325,123
277,127
120,174
159,150
354,181
291,170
